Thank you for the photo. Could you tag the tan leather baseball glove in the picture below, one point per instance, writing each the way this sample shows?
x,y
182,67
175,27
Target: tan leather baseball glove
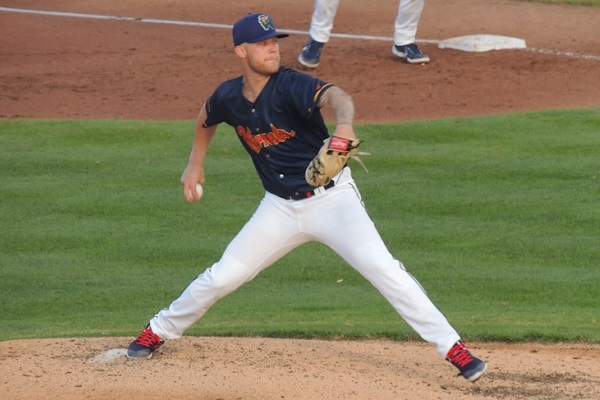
x,y
332,157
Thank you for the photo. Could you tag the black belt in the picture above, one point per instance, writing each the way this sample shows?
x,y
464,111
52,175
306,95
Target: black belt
x,y
306,195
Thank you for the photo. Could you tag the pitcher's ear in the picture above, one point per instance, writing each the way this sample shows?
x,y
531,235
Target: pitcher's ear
x,y
241,51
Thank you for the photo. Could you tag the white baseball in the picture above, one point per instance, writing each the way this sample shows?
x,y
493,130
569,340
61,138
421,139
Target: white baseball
x,y
199,190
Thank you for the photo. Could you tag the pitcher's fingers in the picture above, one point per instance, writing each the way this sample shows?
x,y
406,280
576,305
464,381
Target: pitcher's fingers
x,y
187,192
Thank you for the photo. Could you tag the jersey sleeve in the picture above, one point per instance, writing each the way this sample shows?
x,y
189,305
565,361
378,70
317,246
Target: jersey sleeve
x,y
220,103
212,111
306,92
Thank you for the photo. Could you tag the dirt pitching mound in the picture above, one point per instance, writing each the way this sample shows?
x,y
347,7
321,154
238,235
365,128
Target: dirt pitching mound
x,y
260,369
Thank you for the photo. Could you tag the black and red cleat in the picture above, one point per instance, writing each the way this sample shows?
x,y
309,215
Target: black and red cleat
x,y
470,367
145,344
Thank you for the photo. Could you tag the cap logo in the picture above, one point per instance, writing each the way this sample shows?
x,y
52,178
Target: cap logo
x,y
265,22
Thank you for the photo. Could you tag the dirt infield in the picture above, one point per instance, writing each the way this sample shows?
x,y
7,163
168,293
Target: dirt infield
x,y
67,67
88,68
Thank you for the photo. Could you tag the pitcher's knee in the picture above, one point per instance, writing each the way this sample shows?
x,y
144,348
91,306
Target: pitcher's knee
x,y
224,277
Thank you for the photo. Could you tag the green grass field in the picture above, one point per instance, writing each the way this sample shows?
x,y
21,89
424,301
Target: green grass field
x,y
498,217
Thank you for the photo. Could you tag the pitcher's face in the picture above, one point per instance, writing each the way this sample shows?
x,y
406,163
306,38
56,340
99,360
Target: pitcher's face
x,y
263,57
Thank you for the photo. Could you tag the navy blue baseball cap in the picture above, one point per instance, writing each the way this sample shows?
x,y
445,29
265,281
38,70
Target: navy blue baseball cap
x,y
255,28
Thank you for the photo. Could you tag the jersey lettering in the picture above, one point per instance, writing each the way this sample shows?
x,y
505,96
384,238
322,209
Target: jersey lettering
x,y
256,142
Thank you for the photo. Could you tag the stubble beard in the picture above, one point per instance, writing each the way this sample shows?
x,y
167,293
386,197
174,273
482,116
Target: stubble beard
x,y
266,68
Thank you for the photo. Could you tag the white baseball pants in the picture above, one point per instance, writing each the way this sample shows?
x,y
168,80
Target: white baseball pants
x,y
338,219
405,26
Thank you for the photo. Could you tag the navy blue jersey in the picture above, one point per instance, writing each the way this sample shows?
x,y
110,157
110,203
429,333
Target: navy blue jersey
x,y
282,130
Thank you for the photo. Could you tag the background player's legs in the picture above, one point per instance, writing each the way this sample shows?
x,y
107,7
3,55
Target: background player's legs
x,y
407,21
405,32
322,19
267,236
319,33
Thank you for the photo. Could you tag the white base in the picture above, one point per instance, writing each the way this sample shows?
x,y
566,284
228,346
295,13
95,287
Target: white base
x,y
477,43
